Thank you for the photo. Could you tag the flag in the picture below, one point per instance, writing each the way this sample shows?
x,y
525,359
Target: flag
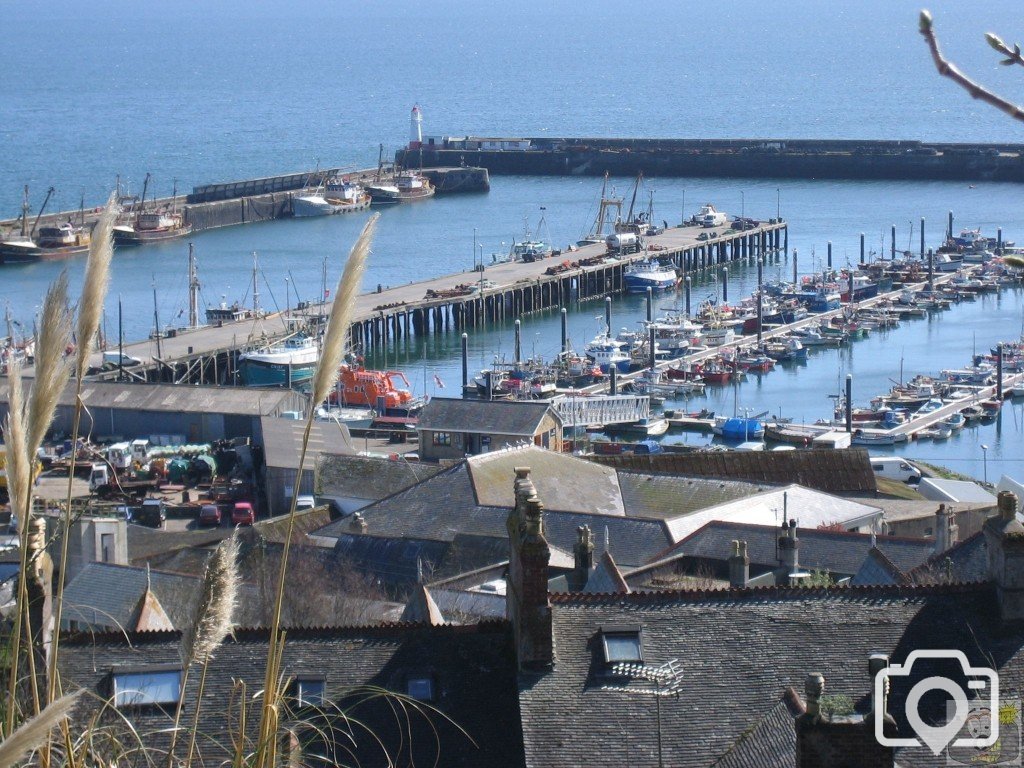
x,y
437,380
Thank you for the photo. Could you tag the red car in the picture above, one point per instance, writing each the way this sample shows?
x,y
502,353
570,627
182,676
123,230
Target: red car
x,y
243,514
209,514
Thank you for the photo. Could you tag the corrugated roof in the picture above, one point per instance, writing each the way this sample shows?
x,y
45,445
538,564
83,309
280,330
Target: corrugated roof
x,y
493,417
847,471
172,398
809,508
282,441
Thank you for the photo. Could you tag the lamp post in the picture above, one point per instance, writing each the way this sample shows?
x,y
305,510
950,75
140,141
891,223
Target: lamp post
x,y
984,463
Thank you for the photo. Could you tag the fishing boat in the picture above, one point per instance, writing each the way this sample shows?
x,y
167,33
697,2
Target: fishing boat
x,y
651,274
863,286
151,228
404,187
336,195
55,241
956,421
379,390
284,364
608,353
597,235
860,437
786,350
573,371
532,247
947,262
738,428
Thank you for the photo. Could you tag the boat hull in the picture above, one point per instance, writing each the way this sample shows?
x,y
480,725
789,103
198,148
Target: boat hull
x,y
129,237
257,373
32,255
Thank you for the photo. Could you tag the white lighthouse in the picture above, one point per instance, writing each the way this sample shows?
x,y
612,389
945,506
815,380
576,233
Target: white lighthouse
x,y
415,129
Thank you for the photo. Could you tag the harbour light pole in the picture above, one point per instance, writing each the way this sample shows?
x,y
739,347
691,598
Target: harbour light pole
x,y
984,463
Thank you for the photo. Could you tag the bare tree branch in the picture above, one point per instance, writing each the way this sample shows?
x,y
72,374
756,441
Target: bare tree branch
x,y
946,69
1012,55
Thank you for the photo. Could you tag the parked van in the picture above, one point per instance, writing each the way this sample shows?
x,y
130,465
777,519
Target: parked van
x,y
895,468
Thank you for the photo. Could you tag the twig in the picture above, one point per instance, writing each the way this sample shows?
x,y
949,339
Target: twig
x,y
1012,56
947,69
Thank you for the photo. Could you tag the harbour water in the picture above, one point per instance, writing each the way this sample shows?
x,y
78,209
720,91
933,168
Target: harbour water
x,y
206,95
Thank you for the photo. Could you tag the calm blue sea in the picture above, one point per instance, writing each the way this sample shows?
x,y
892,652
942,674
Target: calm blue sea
x,y
197,92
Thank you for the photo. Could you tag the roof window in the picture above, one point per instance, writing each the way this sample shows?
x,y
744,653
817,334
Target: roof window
x,y
622,644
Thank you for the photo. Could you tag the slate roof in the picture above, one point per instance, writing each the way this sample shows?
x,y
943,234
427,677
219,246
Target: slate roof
x,y
665,496
964,561
808,507
445,505
145,542
736,651
276,528
282,442
389,561
105,596
472,668
846,471
367,477
839,552
771,742
491,417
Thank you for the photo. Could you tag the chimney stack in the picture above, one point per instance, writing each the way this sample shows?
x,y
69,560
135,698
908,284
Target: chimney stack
x,y
846,742
789,546
358,523
946,530
1004,538
739,565
583,555
526,597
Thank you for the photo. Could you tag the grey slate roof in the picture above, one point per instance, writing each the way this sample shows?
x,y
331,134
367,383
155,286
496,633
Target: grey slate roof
x,y
446,505
737,650
879,570
473,670
965,561
839,552
847,471
492,417
105,596
771,742
367,477
666,496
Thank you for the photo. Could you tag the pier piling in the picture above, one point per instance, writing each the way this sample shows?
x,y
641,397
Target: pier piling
x,y
999,241
796,278
518,348
725,285
650,304
465,360
830,255
613,388
849,403
565,329
892,243
922,237
949,227
686,283
861,247
652,341
999,372
931,271
608,315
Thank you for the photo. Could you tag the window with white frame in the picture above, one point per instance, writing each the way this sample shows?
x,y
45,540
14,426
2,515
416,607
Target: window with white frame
x,y
310,691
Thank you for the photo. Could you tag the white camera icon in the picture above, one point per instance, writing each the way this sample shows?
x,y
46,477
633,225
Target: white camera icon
x,y
984,682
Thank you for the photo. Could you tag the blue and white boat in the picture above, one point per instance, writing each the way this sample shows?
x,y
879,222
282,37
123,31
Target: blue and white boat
x,y
285,364
650,274
608,353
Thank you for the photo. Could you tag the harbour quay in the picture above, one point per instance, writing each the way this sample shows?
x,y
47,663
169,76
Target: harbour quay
x,y
449,303
248,201
751,158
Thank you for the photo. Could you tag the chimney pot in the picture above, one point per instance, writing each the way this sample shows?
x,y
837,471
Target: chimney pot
x,y
814,687
1007,503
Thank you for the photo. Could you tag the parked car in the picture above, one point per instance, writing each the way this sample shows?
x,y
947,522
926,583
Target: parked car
x,y
209,514
152,514
304,502
243,514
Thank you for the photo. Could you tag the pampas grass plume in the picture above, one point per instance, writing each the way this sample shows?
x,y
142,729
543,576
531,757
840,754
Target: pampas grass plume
x,y
19,464
341,313
94,289
214,617
52,365
33,733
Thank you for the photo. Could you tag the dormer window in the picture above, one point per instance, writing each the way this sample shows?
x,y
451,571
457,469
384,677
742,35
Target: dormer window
x,y
152,686
622,644
420,688
309,691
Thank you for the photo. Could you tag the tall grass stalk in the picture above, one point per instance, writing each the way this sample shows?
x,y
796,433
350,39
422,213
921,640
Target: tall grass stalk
x,y
90,310
35,732
323,381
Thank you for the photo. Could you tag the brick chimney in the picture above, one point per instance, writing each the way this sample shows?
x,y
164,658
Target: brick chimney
x,y
583,556
788,547
739,565
1004,538
841,742
526,597
946,530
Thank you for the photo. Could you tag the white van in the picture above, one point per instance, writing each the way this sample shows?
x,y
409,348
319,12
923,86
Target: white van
x,y
895,468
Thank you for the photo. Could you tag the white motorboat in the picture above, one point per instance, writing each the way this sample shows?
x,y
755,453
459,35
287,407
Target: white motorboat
x,y
608,353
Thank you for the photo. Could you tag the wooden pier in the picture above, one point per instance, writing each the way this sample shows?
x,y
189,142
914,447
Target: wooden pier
x,y
501,292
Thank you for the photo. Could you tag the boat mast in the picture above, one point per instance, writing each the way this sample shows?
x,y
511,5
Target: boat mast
x,y
632,202
255,287
42,208
24,213
193,289
120,342
599,230
142,202
174,198
156,322
81,209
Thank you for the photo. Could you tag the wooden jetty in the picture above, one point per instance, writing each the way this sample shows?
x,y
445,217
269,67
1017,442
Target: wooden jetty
x,y
502,291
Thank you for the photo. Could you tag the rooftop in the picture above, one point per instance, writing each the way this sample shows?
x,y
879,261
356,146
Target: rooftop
x,y
492,417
